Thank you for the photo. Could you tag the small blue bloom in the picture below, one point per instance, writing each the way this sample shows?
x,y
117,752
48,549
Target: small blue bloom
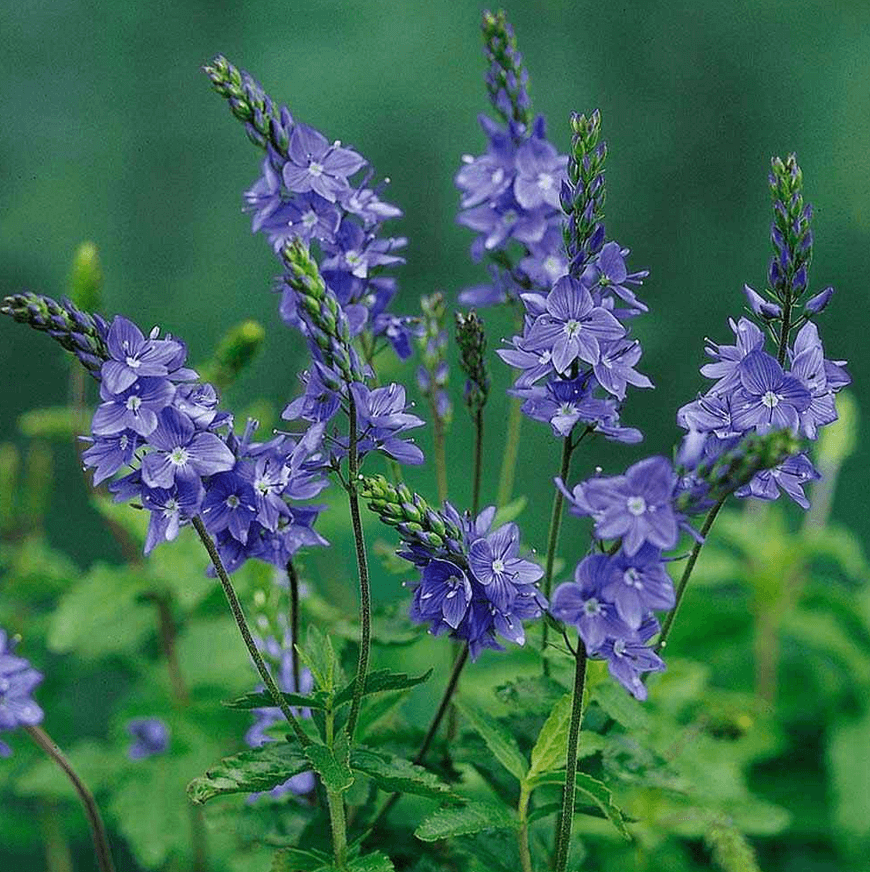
x,y
18,680
151,736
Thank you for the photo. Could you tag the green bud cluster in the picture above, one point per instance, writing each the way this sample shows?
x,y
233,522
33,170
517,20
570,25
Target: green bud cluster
x,y
234,353
250,104
86,278
417,522
319,309
472,344
506,75
432,344
583,231
79,332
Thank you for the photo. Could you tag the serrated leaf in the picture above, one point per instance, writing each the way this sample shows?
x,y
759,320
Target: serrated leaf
x,y
395,774
535,696
497,738
381,681
463,820
552,743
262,699
593,789
332,766
298,860
253,771
319,656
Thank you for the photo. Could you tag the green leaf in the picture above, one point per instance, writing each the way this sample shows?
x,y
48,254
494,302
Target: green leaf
x,y
616,703
319,656
252,771
462,820
552,744
262,699
593,789
376,862
498,739
395,774
535,696
332,765
509,512
848,754
298,860
381,681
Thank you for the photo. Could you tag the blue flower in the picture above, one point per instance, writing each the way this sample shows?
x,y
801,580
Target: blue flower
x,y
151,736
18,679
770,399
317,166
381,416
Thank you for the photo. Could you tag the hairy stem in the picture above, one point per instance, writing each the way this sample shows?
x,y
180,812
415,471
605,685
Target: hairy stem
x,y
365,602
523,831
553,536
566,820
478,462
687,574
98,830
293,577
511,451
784,331
242,623
339,828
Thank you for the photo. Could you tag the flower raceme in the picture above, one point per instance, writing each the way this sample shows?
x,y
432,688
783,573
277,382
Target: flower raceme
x,y
18,680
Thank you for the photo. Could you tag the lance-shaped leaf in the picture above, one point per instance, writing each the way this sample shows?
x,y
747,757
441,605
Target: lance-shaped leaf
x,y
319,656
298,860
252,771
463,820
262,699
594,790
552,744
497,738
381,681
395,774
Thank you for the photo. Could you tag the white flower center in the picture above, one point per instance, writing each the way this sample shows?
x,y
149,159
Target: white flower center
x,y
352,257
632,578
636,506
497,176
592,607
179,456
316,169
572,327
309,219
769,399
122,442
133,403
233,501
498,565
545,357
509,217
552,266
170,509
545,181
567,409
133,362
619,647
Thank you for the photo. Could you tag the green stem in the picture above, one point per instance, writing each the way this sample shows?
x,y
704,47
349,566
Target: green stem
x,y
167,642
438,437
294,622
478,462
458,666
553,537
784,331
523,831
511,451
339,828
687,574
566,820
98,830
365,604
242,623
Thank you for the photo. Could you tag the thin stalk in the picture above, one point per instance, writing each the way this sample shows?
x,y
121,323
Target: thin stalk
x,y
566,820
553,536
784,331
438,438
365,603
98,830
458,666
167,643
242,623
478,462
338,824
687,574
523,831
511,452
293,576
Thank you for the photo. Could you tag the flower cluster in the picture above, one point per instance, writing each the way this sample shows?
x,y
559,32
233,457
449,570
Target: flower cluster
x,y
575,354
432,374
166,427
755,391
473,583
305,193
18,679
281,656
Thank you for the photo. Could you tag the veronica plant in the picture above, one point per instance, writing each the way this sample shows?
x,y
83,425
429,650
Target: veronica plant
x,y
161,441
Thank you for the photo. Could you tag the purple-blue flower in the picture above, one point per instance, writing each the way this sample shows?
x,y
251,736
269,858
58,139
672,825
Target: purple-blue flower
x,y
18,680
150,735
770,399
317,166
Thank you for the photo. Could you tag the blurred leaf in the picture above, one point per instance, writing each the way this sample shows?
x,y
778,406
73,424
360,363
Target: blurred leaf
x,y
474,817
251,771
848,754
510,512
534,696
298,860
376,862
95,763
497,738
730,849
380,681
825,633
617,704
54,422
395,774
551,746
102,614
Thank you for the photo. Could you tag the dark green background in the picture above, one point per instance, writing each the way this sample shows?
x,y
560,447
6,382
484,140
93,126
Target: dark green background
x,y
110,132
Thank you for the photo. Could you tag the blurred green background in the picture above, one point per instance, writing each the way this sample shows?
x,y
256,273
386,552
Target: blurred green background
x,y
112,133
